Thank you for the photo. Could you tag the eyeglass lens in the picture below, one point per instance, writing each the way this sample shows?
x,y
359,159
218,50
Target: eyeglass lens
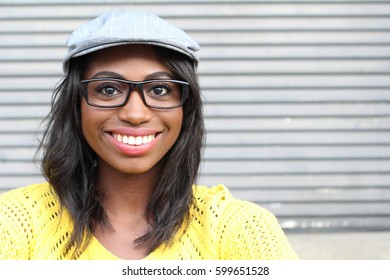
x,y
114,93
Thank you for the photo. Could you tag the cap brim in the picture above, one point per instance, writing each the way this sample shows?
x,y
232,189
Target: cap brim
x,y
100,46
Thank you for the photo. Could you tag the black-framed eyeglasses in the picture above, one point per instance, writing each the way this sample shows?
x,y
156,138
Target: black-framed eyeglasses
x,y
113,93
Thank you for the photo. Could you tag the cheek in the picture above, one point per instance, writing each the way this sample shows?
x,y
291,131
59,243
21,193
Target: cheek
x,y
90,120
85,117
175,122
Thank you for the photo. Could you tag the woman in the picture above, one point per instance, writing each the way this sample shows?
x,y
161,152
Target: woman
x,y
121,156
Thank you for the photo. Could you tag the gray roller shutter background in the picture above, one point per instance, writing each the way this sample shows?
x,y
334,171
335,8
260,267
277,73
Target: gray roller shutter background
x,y
296,99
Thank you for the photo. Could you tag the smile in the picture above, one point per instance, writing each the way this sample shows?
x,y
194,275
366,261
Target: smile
x,y
134,140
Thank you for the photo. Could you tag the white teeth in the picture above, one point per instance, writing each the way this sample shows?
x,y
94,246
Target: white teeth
x,y
138,141
131,140
134,141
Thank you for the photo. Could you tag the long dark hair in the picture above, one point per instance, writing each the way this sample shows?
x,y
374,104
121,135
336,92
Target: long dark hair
x,y
69,164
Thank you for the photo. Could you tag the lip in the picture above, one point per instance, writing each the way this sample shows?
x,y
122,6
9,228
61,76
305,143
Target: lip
x,y
132,150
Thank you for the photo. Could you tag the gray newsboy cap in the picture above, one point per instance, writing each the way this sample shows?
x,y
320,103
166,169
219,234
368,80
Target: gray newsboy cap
x,y
121,28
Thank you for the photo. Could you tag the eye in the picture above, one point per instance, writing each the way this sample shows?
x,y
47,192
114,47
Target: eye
x,y
108,89
160,89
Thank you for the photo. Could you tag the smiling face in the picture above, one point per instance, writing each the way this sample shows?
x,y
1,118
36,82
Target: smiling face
x,y
134,138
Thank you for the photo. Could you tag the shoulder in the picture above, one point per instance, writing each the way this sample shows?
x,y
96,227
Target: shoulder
x,y
244,230
27,197
26,206
222,201
23,213
215,193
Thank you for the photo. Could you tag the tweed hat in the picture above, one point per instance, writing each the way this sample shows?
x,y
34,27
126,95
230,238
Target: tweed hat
x,y
121,28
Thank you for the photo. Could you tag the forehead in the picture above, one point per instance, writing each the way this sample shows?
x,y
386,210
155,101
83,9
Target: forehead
x,y
133,62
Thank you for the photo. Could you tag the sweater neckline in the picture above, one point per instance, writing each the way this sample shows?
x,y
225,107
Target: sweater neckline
x,y
96,250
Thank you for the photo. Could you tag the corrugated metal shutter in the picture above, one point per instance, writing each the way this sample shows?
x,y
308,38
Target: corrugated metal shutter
x,y
297,99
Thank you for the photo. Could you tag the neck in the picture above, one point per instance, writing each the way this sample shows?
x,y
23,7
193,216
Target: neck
x,y
125,195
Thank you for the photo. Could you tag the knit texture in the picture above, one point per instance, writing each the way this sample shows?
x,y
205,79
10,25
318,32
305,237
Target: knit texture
x,y
220,227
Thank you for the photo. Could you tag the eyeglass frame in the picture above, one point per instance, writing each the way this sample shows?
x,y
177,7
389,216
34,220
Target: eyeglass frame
x,y
133,86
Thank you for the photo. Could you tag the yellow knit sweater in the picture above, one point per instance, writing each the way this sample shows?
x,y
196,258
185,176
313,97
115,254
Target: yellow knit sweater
x,y
221,227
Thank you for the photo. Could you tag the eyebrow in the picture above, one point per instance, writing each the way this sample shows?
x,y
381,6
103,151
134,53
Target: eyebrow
x,y
108,74
152,76
158,75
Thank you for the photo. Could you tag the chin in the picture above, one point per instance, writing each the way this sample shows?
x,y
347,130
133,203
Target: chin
x,y
138,168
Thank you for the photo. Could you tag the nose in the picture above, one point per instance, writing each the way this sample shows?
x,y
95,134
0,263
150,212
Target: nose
x,y
135,111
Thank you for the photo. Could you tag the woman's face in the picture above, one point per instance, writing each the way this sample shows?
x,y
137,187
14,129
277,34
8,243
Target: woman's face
x,y
151,133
